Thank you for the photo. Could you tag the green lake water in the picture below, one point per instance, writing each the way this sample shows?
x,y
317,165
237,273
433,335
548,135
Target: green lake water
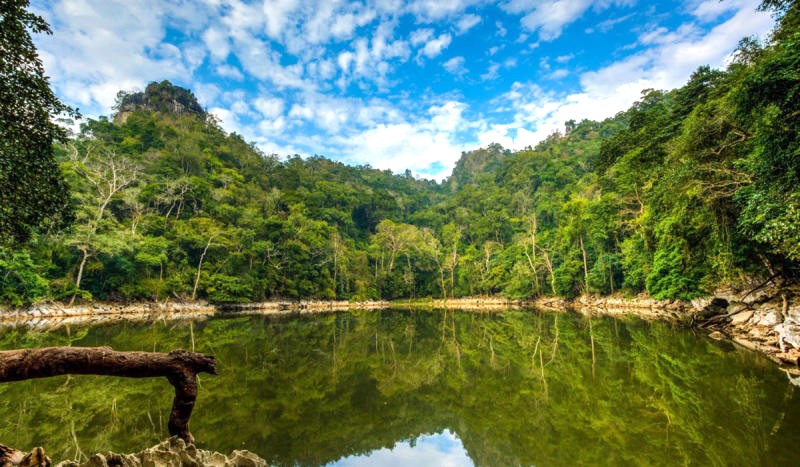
x,y
424,388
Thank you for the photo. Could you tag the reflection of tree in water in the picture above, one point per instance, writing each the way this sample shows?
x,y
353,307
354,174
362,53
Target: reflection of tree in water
x,y
517,388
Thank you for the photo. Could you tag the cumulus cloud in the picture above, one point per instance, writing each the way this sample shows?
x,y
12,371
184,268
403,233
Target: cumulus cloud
x,y
467,22
550,17
428,145
435,46
455,66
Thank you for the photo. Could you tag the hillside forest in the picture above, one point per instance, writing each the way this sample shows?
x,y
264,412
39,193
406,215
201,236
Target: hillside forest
x,y
684,191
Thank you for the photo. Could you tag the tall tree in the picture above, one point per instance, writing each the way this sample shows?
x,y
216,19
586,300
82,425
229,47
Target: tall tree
x,y
33,193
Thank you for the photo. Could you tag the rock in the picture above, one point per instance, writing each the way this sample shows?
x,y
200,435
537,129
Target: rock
x,y
701,303
173,452
716,306
792,357
716,335
768,316
742,317
246,459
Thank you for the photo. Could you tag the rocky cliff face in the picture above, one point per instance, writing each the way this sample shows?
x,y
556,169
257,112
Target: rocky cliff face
x,y
766,319
159,97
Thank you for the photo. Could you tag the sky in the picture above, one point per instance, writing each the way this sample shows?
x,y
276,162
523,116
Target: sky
x,y
440,449
395,84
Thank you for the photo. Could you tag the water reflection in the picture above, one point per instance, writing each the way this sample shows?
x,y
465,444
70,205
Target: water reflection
x,y
518,388
441,449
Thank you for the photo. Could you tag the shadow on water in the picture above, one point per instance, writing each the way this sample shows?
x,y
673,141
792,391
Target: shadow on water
x,y
515,388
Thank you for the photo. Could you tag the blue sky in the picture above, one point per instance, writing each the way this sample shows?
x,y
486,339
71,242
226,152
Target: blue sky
x,y
397,84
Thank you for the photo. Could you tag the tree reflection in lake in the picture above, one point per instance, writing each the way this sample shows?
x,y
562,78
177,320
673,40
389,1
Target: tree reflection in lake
x,y
514,388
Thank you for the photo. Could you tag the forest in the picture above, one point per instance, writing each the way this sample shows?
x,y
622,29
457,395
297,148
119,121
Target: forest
x,y
686,190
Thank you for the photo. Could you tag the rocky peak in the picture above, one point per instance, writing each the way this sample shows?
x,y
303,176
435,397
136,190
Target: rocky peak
x,y
159,97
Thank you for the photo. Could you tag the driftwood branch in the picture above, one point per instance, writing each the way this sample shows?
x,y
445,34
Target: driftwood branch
x,y
179,367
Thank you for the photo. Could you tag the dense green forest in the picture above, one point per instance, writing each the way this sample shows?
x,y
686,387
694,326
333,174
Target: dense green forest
x,y
686,190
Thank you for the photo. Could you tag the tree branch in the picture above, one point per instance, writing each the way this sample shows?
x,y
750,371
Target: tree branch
x,y
179,367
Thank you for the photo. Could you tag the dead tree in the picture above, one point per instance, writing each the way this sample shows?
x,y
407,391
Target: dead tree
x,y
179,367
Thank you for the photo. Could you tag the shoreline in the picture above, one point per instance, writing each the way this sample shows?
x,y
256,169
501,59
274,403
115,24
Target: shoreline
x,y
760,320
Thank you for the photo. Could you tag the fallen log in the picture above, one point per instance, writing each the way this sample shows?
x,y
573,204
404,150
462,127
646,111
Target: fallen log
x,y
179,367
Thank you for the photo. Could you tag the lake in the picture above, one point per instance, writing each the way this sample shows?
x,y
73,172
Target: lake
x,y
423,388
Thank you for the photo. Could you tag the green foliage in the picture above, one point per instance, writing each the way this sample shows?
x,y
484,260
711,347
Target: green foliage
x,y
685,190
33,194
20,279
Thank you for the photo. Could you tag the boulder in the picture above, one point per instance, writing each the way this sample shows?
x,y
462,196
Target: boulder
x,y
742,317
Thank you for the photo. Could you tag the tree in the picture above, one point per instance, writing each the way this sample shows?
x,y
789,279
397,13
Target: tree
x,y
106,175
33,193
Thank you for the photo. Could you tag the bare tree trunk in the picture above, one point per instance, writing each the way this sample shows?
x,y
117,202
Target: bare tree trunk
x,y
585,266
200,265
85,252
549,265
179,367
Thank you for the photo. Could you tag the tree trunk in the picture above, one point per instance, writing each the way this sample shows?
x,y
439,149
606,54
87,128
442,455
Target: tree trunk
x,y
200,265
80,275
179,367
585,266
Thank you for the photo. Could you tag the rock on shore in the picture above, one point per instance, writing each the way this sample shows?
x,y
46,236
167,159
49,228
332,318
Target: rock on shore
x,y
764,319
173,452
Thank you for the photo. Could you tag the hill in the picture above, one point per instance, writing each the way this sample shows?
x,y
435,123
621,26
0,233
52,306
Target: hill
x,y
686,190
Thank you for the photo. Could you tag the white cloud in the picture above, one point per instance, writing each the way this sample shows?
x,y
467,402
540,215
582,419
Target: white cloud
x,y
492,73
467,22
501,30
420,36
423,145
217,43
435,46
313,63
269,107
709,10
557,74
550,17
455,66
432,10
229,71
277,14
